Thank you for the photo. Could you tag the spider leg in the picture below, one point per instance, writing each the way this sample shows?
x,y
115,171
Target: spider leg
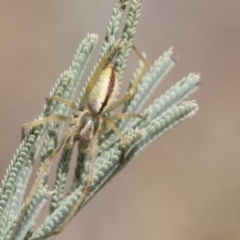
x,y
118,117
37,182
93,156
73,138
109,122
125,115
133,88
67,102
46,120
99,70
70,143
84,149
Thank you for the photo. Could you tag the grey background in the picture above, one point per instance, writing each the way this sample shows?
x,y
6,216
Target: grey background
x,y
185,185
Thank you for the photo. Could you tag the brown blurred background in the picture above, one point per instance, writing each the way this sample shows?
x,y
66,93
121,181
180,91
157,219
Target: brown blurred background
x,y
184,186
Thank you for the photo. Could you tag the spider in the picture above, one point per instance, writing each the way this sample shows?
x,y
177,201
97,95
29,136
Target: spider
x,y
98,99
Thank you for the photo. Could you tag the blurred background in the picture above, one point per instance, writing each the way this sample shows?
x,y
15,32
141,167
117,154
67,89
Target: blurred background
x,y
184,186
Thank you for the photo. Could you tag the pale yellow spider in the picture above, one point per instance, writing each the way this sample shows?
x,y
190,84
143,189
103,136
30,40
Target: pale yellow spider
x,y
99,98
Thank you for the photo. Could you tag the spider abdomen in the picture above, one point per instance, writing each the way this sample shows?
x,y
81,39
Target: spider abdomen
x,y
104,91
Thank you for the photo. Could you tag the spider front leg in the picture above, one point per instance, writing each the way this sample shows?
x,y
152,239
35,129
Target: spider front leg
x,y
39,178
53,117
88,186
67,102
85,193
46,120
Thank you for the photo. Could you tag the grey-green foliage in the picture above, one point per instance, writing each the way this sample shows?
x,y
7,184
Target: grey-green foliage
x,y
164,113
127,36
39,199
